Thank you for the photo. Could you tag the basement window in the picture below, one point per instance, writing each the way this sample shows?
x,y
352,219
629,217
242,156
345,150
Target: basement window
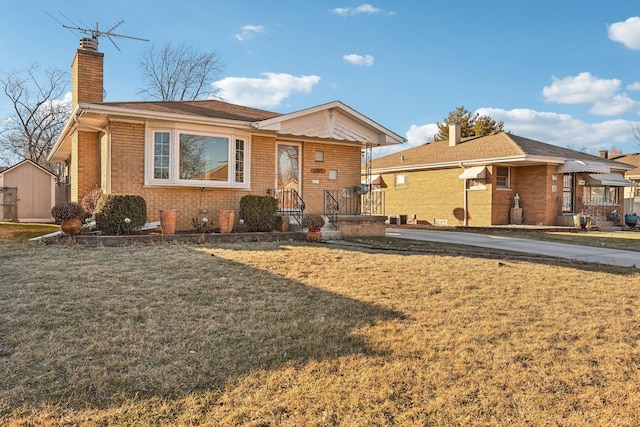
x,y
179,157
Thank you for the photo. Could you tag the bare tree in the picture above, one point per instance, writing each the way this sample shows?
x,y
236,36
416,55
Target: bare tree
x,y
39,113
179,73
636,131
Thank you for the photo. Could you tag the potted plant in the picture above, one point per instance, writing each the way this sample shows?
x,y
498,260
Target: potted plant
x,y
631,220
313,222
70,216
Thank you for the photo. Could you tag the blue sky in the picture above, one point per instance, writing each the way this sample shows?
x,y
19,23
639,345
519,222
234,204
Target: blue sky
x,y
561,72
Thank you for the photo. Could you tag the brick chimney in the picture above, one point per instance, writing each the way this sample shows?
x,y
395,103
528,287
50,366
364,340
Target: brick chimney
x,y
86,87
604,154
87,73
454,134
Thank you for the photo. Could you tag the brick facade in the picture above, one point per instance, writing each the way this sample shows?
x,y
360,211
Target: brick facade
x,y
438,194
85,164
315,176
127,173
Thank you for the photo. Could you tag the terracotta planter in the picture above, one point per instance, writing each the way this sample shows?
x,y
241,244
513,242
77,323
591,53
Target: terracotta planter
x,y
168,220
314,235
225,220
71,226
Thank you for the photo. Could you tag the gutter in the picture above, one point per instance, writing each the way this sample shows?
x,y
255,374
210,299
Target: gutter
x,y
158,115
468,163
63,134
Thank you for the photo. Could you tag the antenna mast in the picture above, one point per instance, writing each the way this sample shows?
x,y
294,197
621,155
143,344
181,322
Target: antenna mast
x,y
91,43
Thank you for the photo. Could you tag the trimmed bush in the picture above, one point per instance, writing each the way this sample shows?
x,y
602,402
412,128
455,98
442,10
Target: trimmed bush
x,y
312,221
258,212
68,210
120,213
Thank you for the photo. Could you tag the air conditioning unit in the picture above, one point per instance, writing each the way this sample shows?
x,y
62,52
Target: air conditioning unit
x,y
361,188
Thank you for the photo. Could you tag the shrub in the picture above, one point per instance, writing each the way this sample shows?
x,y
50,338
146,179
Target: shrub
x,y
90,200
258,212
312,221
67,210
120,213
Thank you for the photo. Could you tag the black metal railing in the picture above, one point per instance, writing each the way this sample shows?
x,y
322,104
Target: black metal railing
x,y
289,202
348,202
372,203
331,208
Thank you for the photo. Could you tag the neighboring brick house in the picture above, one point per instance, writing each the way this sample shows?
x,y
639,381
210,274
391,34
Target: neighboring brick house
x,y
631,194
475,181
206,155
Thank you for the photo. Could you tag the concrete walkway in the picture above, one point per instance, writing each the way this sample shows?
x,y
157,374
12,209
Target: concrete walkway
x,y
559,250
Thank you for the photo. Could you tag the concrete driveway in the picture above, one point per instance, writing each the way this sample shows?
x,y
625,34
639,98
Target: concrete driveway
x,y
559,250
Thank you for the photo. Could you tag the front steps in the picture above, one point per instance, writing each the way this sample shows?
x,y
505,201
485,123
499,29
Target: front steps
x,y
607,226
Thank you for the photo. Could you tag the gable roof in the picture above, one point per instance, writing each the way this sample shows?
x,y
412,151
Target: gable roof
x,y
333,120
500,147
633,160
24,163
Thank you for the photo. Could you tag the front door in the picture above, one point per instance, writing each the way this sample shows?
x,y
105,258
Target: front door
x,y
568,192
288,175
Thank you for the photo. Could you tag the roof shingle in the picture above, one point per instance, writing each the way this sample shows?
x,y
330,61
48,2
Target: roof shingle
x,y
208,108
495,146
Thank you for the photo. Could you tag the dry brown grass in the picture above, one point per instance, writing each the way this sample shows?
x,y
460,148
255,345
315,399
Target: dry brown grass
x,y
12,231
295,334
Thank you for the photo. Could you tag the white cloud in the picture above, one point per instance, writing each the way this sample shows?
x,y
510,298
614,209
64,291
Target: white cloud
x,y
633,86
342,11
249,31
361,60
266,92
583,88
362,9
416,135
627,32
587,89
562,129
615,105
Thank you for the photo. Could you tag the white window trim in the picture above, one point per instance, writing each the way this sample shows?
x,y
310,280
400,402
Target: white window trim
x,y
397,184
174,141
508,186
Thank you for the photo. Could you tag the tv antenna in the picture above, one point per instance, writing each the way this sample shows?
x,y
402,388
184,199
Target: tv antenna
x,y
95,33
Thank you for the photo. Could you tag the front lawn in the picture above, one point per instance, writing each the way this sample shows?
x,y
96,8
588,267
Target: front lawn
x,y
290,334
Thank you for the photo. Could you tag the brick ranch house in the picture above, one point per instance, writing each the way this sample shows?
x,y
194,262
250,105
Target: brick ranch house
x,y
631,194
475,181
197,156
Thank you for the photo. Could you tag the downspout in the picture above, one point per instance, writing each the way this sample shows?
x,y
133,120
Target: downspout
x,y
465,201
107,161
